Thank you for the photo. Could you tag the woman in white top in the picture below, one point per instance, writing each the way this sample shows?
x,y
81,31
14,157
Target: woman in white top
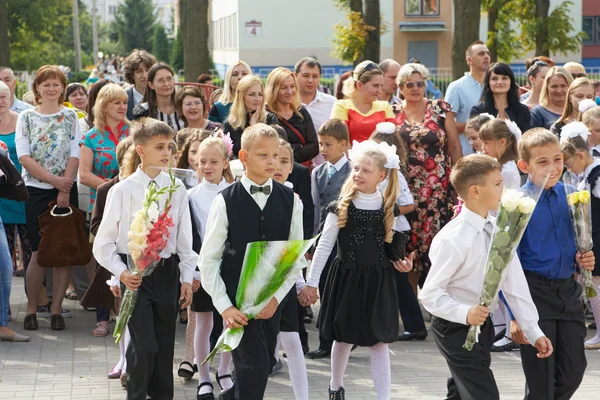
x,y
47,140
213,166
500,139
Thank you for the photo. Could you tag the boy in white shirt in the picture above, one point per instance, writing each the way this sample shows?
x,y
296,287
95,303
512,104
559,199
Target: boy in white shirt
x,y
453,287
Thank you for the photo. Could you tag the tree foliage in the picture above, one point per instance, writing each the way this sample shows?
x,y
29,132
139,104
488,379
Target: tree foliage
x,y
134,24
519,26
468,19
160,43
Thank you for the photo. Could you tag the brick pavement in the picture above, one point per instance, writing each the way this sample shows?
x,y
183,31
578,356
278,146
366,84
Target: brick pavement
x,y
72,365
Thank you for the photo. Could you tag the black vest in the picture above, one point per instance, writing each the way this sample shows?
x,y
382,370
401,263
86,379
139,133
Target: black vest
x,y
592,178
248,223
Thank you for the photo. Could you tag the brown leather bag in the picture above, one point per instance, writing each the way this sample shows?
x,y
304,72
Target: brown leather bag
x,y
64,241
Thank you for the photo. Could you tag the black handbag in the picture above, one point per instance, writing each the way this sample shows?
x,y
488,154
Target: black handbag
x,y
397,249
13,188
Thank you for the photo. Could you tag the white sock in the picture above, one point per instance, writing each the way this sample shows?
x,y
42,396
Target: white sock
x,y
296,363
125,342
225,367
277,347
189,338
204,325
502,342
122,350
499,318
380,370
340,353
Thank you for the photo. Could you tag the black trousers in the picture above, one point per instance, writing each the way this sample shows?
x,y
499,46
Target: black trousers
x,y
408,305
563,322
472,378
254,358
152,328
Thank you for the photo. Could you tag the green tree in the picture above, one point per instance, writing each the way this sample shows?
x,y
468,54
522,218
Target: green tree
x,y
468,20
177,52
4,43
160,43
134,24
194,26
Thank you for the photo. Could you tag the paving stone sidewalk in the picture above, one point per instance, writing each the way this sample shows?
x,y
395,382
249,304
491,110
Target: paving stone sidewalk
x,y
72,365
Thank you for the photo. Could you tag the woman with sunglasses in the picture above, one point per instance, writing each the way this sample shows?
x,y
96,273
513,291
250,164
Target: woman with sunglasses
x,y
500,97
429,131
552,98
536,74
361,110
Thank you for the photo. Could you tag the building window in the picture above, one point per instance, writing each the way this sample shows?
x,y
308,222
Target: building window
x,y
112,10
418,8
591,28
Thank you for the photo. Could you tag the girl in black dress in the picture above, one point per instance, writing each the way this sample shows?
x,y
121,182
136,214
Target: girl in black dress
x,y
359,305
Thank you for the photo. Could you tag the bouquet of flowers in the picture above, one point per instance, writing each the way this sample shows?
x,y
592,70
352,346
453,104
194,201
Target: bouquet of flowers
x,y
580,209
148,237
266,268
516,207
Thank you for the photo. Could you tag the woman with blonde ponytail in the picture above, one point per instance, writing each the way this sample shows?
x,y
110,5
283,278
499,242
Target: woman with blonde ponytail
x,y
359,305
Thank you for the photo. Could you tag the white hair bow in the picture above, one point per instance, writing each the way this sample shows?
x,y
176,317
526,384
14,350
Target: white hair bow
x,y
388,128
586,104
393,161
572,130
513,128
490,116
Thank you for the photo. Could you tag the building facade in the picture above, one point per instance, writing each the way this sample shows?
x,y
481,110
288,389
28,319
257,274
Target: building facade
x,y
106,10
591,27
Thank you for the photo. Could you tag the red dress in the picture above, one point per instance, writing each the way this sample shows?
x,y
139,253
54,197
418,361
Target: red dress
x,y
361,126
428,178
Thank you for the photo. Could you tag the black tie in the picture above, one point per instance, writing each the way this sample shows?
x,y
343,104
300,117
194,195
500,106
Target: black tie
x,y
262,189
155,184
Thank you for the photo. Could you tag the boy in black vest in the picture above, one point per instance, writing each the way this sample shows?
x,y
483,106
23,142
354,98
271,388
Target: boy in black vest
x,y
327,181
254,209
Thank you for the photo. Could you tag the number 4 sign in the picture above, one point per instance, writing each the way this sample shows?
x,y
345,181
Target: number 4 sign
x,y
253,28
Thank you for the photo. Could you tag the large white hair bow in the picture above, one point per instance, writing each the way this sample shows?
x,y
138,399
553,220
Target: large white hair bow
x,y
388,128
513,128
490,116
572,130
586,104
393,161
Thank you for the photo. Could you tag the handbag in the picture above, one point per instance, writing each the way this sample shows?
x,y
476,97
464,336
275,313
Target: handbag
x,y
396,250
14,188
64,241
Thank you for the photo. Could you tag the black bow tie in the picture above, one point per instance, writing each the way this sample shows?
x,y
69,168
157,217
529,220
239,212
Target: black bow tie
x,y
263,189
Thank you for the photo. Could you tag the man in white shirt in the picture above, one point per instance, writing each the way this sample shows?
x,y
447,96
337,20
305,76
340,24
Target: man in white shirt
x,y
319,104
7,76
455,281
390,70
137,66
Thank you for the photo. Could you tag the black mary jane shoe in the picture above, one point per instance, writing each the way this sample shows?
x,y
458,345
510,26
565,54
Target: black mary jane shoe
x,y
187,373
339,394
408,336
218,378
205,396
317,354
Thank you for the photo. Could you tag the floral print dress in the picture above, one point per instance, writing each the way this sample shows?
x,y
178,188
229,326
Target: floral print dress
x,y
428,178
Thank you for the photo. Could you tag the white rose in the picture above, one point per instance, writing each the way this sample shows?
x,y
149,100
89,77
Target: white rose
x,y
511,199
237,168
526,205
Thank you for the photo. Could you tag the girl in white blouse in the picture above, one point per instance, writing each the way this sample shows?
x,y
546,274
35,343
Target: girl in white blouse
x,y
213,168
500,139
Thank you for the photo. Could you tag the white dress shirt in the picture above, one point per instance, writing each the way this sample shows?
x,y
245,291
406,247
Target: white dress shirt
x,y
137,97
584,182
362,201
320,110
458,256
123,200
217,228
338,165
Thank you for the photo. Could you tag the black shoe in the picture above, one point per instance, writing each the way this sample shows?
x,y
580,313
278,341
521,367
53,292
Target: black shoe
x,y
505,347
218,378
592,325
57,322
205,396
500,335
308,312
319,353
339,394
228,394
307,319
408,336
187,373
30,323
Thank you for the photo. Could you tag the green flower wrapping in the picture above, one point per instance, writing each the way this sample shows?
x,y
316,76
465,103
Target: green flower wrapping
x,y
267,267
516,208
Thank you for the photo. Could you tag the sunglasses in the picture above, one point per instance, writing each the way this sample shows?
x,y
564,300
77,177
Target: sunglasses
x,y
411,84
535,66
579,75
369,67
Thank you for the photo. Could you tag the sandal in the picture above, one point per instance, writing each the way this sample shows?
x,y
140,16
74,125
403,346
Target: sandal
x,y
205,396
115,373
218,378
183,316
71,295
101,329
187,373
30,323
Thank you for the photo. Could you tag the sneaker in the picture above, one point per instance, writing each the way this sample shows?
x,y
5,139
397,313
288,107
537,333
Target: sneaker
x,y
277,368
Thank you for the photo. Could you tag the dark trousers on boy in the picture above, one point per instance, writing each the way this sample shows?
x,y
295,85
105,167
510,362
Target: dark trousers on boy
x,y
562,320
408,305
152,329
472,378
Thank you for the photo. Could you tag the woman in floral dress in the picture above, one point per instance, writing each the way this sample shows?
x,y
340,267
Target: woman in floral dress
x,y
432,141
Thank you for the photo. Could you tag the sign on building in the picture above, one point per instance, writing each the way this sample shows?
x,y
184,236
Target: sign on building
x,y
253,28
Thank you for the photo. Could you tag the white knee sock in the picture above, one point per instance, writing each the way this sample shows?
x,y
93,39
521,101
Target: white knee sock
x,y
340,352
204,325
225,367
296,363
595,303
125,342
189,338
122,350
380,370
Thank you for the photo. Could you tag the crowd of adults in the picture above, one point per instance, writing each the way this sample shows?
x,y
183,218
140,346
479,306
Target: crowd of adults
x,y
67,144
